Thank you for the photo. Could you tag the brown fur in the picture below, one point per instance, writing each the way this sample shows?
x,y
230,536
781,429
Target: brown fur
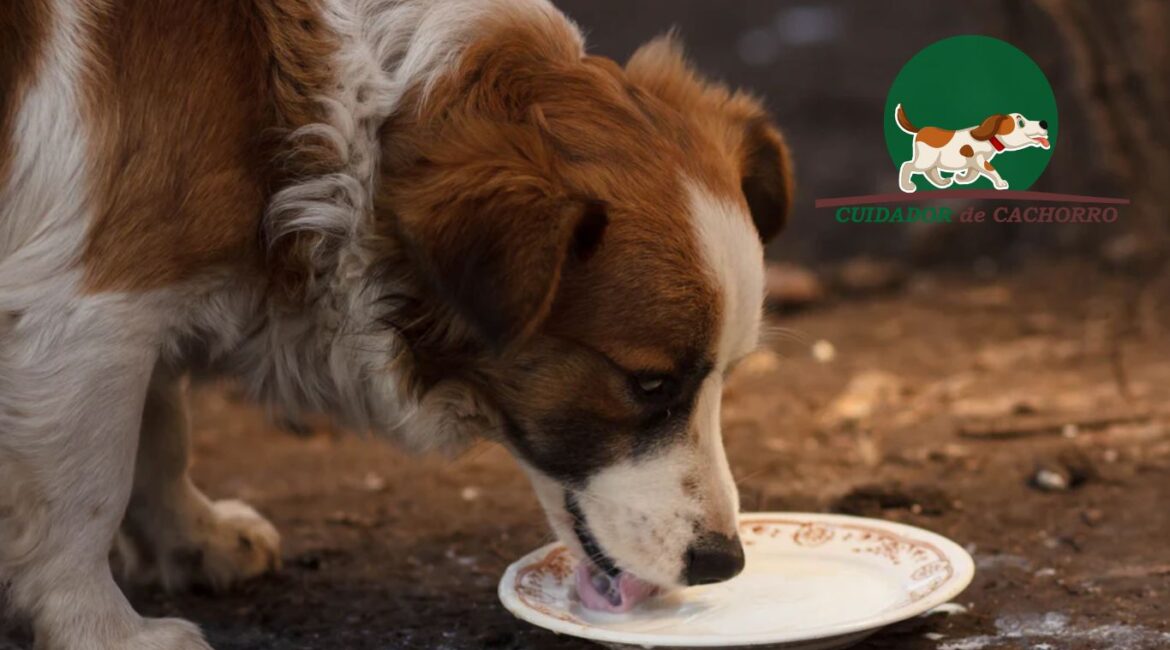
x,y
189,104
934,137
966,151
904,121
527,147
23,30
987,166
733,124
552,131
992,125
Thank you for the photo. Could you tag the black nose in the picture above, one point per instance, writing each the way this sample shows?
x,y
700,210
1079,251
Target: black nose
x,y
713,558
1043,124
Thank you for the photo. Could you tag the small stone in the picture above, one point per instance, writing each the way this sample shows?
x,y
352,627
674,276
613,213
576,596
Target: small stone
x,y
1092,517
864,395
949,609
758,364
1050,480
823,351
864,275
790,285
1070,469
373,482
470,493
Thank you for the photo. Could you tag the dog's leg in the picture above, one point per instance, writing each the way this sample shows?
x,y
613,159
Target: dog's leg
x,y
173,534
967,176
905,183
934,175
988,170
73,380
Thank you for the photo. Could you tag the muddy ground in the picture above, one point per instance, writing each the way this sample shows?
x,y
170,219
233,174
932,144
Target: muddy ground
x,y
940,402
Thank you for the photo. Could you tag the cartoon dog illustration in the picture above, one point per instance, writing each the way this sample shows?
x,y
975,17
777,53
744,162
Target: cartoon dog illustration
x,y
966,153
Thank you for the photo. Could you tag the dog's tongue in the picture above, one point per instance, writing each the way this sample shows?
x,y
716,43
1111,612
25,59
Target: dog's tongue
x,y
1042,140
602,593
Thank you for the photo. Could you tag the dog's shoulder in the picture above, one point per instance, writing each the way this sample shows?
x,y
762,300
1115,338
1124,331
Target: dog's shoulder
x,y
189,105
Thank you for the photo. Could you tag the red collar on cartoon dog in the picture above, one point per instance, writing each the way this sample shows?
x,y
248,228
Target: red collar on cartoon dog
x,y
995,143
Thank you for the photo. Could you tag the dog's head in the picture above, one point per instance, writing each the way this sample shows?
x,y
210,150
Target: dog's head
x,y
597,232
1014,131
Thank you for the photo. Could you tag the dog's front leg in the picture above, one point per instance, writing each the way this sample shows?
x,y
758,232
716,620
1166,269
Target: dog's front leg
x,y
988,170
73,381
173,535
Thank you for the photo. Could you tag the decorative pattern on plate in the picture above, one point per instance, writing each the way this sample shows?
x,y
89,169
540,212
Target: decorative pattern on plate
x,y
544,585
537,583
921,561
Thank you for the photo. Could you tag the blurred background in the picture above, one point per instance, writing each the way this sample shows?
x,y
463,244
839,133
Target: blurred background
x,y
824,69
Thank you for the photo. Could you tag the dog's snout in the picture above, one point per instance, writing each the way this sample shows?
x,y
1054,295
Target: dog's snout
x,y
1044,124
713,558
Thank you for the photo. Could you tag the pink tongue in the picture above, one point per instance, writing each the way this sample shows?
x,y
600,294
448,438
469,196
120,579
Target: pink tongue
x,y
1043,141
600,593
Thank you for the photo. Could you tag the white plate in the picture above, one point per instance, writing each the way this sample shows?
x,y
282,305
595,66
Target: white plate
x,y
812,581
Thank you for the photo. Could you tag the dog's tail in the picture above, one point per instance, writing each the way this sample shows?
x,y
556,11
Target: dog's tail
x,y
903,122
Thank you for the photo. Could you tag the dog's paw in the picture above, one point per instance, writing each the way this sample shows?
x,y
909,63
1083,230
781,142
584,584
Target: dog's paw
x,y
241,545
1000,185
163,634
226,543
908,188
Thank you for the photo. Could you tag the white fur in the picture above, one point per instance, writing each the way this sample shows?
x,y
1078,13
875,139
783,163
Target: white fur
x,y
735,258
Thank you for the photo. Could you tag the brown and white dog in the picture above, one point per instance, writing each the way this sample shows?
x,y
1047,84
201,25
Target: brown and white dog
x,y
966,153
436,220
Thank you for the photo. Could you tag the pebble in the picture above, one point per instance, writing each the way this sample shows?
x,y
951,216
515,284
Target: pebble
x,y
823,351
760,363
1050,480
373,482
862,275
1092,517
790,285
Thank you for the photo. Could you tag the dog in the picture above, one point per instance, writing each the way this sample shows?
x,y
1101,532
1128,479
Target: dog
x,y
966,153
434,220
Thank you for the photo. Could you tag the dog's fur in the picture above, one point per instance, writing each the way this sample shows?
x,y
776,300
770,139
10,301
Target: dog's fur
x,y
432,220
966,153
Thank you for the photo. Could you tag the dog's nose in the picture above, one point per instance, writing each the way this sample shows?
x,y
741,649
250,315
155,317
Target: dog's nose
x,y
1043,124
713,558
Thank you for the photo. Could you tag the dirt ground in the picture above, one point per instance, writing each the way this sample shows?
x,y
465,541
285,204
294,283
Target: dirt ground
x,y
934,404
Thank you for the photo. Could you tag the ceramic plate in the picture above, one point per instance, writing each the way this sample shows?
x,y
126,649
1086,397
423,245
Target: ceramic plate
x,y
811,581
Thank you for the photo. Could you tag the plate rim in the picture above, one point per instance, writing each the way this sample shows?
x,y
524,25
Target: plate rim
x,y
964,573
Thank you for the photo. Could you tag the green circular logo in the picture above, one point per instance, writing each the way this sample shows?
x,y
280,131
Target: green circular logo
x,y
970,112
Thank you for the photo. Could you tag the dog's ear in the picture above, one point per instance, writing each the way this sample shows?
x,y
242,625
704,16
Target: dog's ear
x,y
735,120
989,127
493,234
767,177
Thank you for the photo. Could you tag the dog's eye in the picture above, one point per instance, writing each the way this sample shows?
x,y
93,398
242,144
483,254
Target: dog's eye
x,y
1020,122
652,386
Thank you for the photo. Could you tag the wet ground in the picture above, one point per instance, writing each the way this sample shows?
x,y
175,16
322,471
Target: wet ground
x,y
935,404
